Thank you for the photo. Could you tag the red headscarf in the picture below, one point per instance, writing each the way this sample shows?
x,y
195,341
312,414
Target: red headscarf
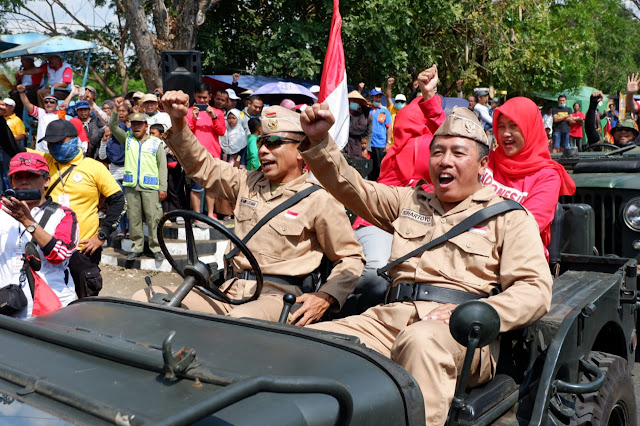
x,y
535,154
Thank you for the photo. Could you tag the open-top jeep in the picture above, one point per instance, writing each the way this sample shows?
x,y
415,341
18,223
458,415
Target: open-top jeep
x,y
112,361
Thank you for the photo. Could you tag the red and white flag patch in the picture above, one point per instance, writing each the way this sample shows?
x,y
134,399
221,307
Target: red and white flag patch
x,y
482,230
291,215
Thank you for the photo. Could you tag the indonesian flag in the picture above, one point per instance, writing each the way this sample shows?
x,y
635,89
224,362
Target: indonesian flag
x,y
333,86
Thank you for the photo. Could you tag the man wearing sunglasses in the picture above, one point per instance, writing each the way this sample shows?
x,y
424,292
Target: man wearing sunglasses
x,y
44,115
290,247
22,222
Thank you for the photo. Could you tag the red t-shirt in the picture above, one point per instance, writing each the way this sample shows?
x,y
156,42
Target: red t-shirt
x,y
576,129
208,131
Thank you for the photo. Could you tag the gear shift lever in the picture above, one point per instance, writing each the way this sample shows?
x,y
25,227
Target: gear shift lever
x,y
289,300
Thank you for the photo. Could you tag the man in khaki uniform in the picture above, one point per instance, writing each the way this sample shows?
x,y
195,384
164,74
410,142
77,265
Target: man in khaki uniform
x,y
505,249
291,245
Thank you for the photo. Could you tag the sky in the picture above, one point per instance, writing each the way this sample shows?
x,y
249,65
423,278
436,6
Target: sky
x,y
92,17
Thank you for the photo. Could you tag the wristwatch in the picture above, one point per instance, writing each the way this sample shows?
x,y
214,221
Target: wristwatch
x,y
32,228
102,235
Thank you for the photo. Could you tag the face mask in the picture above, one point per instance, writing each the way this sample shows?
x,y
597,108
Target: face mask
x,y
376,104
64,152
561,104
353,106
400,105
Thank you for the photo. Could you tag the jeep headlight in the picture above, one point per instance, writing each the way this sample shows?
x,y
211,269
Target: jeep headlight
x,y
631,214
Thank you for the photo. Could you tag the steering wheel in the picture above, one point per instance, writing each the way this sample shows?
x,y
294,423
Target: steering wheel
x,y
600,145
197,272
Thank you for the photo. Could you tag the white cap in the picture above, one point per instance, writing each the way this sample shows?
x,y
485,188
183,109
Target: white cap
x,y
232,94
9,101
401,97
315,89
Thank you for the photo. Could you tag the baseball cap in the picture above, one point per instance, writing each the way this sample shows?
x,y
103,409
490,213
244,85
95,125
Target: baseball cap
x,y
375,91
149,97
50,97
276,119
138,95
482,92
232,94
28,162
400,97
91,89
462,122
82,104
138,116
314,89
58,130
9,101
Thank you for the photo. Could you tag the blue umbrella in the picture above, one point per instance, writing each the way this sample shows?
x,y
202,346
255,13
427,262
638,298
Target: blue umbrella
x,y
274,93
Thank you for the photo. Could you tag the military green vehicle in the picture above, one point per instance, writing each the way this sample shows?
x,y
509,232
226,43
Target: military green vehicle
x,y
112,361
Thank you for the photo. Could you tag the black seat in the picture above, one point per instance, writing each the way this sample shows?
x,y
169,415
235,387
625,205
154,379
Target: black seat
x,y
481,399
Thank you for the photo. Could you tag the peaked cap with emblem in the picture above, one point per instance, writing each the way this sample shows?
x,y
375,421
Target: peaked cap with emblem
x,y
276,119
462,122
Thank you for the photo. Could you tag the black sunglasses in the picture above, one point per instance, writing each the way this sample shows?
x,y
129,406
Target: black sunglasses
x,y
50,101
273,141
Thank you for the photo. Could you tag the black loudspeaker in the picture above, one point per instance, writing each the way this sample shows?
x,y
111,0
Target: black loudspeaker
x,y
181,70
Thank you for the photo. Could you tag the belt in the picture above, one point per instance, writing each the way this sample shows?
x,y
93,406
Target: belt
x,y
404,292
277,279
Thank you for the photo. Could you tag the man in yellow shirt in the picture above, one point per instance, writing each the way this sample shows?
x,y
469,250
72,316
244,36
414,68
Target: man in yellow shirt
x,y
394,105
77,182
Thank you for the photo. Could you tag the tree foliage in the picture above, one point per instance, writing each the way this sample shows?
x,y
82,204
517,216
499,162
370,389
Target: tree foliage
x,y
517,45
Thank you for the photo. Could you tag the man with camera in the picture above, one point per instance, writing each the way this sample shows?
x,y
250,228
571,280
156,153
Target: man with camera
x,y
27,216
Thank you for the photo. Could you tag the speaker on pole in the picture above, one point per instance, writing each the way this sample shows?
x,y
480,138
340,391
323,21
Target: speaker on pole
x,y
181,70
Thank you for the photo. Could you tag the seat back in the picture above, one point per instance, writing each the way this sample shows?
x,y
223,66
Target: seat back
x,y
579,229
554,246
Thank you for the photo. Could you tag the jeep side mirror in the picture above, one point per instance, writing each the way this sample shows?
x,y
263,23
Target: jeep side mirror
x,y
473,324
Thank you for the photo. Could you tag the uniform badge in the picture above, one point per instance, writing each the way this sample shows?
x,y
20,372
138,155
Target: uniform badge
x,y
272,123
468,126
248,202
291,215
418,217
77,178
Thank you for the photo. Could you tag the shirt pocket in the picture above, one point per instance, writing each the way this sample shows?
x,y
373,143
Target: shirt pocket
x,y
408,236
466,259
288,237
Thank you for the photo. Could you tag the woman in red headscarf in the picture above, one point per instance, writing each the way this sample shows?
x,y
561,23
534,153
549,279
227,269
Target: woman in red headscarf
x,y
521,168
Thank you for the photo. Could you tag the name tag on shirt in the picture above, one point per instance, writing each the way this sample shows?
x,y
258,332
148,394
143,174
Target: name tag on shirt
x,y
16,265
64,200
418,217
252,204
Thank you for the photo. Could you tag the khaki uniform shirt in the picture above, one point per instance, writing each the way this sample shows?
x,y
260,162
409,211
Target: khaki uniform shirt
x,y
293,242
505,250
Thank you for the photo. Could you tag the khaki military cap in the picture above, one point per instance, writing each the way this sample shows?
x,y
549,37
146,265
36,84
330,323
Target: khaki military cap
x,y
138,116
276,119
463,122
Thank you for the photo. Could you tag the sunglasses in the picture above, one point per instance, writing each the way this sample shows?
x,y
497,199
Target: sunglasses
x,y
50,101
273,141
27,161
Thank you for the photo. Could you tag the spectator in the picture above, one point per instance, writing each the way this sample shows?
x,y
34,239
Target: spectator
x,y
136,102
59,74
77,184
145,180
394,105
253,110
253,162
613,115
107,107
31,82
44,115
358,125
112,153
575,132
482,110
232,100
493,104
234,141
221,100
150,105
14,122
207,126
245,96
561,121
547,120
381,136
472,102
91,127
56,238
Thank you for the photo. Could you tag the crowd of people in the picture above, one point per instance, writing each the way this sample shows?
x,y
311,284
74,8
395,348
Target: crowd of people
x,y
100,171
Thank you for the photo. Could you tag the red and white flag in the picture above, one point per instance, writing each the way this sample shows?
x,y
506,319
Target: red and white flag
x,y
333,86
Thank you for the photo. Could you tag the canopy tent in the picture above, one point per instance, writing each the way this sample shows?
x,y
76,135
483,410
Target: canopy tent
x,y
580,95
249,82
8,41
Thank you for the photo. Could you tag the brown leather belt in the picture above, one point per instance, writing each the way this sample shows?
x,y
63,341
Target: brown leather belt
x,y
404,292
